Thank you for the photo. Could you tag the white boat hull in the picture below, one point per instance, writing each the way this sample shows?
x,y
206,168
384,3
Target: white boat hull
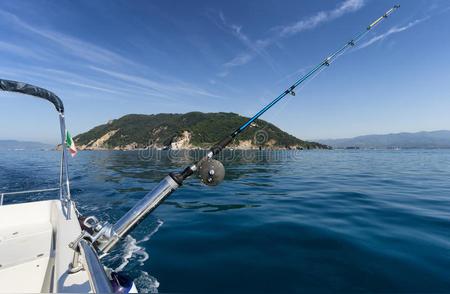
x,y
34,252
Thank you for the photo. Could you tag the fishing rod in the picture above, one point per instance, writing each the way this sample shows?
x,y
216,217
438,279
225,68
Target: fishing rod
x,y
210,171
216,149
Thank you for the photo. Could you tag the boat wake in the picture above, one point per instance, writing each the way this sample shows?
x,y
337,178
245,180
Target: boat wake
x,y
146,283
159,223
133,251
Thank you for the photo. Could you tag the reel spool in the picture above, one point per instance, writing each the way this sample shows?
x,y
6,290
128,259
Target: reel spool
x,y
211,172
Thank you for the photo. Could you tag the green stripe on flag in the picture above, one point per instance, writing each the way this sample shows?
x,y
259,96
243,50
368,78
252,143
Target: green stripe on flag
x,y
68,139
70,144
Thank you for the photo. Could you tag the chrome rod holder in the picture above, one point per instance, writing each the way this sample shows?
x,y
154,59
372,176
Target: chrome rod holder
x,y
136,214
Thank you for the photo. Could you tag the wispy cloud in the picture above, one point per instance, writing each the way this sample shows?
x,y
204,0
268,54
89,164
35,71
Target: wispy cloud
x,y
239,60
99,60
18,50
78,83
259,47
394,30
157,87
320,17
81,49
255,48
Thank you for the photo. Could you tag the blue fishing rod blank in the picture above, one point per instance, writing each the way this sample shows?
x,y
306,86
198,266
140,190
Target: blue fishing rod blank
x,y
180,177
326,62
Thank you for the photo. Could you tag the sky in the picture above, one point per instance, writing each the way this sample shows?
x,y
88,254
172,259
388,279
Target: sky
x,y
106,59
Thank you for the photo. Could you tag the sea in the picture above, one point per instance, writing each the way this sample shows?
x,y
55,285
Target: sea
x,y
351,221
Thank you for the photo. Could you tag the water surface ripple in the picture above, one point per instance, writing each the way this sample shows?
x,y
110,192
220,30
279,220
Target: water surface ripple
x,y
322,221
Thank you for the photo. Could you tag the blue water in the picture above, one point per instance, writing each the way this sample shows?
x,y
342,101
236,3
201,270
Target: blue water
x,y
322,221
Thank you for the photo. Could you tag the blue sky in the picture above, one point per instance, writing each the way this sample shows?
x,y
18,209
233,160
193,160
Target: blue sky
x,y
106,59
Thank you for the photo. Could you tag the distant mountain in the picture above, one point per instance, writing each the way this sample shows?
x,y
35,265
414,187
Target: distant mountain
x,y
435,139
23,145
187,131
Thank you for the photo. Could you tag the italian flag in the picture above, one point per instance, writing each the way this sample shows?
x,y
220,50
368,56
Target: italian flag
x,y
70,144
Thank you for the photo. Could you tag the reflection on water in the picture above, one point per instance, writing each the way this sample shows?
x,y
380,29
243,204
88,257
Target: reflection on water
x,y
206,207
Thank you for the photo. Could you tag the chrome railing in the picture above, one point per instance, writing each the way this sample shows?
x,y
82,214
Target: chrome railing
x,y
98,278
64,182
2,195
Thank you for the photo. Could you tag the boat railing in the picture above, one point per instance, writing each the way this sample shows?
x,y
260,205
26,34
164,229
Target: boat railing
x,y
98,278
3,194
64,182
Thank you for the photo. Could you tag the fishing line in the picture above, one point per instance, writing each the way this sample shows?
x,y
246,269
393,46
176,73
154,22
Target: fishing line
x,y
303,85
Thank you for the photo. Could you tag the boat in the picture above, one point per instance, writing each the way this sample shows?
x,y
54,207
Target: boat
x,y
40,246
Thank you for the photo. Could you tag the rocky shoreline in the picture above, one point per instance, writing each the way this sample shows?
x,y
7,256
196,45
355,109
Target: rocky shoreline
x,y
182,142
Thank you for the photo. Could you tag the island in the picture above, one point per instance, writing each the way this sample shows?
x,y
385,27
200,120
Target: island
x,y
193,130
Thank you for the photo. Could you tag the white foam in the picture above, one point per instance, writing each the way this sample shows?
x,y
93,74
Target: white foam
x,y
131,248
146,283
159,223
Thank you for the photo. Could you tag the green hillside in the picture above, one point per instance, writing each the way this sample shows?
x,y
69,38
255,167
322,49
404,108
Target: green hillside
x,y
198,130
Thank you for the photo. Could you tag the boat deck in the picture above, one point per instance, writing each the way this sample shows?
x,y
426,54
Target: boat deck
x,y
34,252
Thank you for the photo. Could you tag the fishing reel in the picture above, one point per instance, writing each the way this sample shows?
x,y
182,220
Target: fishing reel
x,y
211,172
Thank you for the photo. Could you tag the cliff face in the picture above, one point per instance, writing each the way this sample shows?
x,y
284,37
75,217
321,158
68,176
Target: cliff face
x,y
186,131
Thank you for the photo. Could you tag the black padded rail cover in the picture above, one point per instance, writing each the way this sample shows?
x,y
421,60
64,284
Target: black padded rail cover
x,y
19,87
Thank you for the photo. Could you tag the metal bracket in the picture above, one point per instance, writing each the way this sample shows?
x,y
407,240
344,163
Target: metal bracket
x,y
99,231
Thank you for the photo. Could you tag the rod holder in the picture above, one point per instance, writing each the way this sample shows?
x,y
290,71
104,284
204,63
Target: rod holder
x,y
140,210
